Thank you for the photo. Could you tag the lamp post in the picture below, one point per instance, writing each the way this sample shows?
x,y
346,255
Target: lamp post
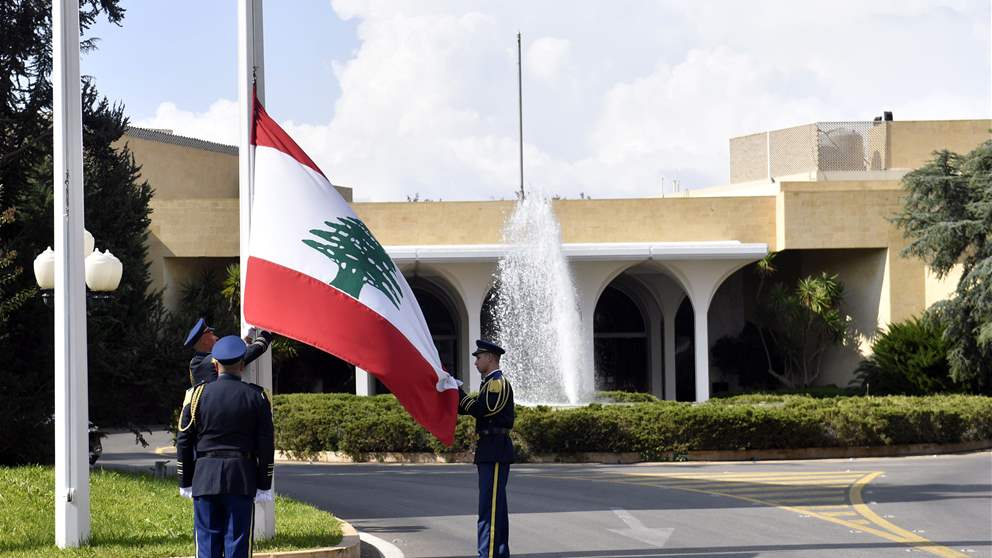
x,y
103,271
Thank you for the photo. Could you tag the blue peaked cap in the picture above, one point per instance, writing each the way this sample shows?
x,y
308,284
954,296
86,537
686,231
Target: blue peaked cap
x,y
199,328
229,349
483,346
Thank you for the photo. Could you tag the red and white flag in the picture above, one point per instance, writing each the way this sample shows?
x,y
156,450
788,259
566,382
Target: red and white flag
x,y
316,274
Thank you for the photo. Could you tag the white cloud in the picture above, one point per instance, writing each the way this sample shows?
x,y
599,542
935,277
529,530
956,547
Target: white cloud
x,y
615,97
219,123
547,57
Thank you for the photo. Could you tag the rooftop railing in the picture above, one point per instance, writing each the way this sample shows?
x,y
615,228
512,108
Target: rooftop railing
x,y
822,146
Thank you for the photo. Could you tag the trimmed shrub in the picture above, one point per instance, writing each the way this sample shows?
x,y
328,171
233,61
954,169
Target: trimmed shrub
x,y
660,430
387,432
625,397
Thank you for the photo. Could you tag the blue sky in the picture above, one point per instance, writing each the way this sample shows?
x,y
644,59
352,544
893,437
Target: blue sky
x,y
185,51
403,97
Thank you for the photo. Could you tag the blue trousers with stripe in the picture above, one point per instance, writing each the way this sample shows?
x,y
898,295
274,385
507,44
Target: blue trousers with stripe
x,y
494,522
223,525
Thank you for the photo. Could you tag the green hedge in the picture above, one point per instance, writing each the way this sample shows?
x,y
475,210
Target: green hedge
x,y
359,426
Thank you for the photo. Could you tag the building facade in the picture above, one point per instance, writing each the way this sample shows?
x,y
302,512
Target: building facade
x,y
659,280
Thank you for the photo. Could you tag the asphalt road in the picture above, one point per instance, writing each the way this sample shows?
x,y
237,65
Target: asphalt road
x,y
872,507
937,506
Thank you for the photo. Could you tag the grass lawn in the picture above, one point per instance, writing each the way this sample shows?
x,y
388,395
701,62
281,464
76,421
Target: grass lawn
x,y
132,516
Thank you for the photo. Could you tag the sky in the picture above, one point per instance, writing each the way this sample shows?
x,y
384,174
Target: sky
x,y
402,98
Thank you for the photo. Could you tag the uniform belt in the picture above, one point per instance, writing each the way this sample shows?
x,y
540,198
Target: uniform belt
x,y
493,431
227,453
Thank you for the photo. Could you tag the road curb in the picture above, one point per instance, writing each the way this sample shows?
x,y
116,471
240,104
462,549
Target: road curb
x,y
350,547
383,548
627,458
899,450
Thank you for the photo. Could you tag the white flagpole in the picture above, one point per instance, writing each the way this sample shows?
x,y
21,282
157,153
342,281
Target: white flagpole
x,y
251,71
72,473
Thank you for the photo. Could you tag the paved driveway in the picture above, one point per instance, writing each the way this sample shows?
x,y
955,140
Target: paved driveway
x,y
935,506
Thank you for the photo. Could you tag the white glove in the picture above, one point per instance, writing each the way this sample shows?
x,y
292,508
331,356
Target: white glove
x,y
447,382
263,495
186,492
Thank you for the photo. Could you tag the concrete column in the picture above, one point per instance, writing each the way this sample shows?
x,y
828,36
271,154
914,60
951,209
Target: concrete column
x,y
702,345
655,346
364,382
669,320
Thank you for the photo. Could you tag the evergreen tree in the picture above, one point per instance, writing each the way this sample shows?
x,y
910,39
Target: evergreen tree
x,y
134,368
947,216
12,296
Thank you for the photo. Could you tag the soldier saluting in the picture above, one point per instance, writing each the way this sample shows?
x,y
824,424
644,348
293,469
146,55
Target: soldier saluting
x,y
225,452
202,338
494,413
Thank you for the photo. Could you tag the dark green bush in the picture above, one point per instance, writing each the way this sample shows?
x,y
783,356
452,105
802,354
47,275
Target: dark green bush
x,y
910,358
660,430
625,397
387,432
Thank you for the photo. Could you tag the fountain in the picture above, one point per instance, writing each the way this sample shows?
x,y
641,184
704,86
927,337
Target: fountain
x,y
536,317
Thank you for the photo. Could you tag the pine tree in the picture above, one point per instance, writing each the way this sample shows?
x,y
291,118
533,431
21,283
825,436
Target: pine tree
x,y
947,216
135,371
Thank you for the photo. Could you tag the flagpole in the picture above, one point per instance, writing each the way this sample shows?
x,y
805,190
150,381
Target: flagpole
x,y
251,83
520,113
72,473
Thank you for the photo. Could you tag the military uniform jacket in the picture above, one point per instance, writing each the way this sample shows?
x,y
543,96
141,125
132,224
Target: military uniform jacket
x,y
494,414
233,418
202,367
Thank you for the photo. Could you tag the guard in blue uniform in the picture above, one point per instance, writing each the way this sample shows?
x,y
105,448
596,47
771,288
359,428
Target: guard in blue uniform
x,y
203,367
225,453
494,413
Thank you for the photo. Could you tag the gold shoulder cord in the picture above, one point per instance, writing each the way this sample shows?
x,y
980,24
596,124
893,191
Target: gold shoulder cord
x,y
194,401
268,395
501,397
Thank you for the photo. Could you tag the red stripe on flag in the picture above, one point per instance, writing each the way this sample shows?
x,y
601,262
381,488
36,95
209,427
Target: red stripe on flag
x,y
296,305
267,133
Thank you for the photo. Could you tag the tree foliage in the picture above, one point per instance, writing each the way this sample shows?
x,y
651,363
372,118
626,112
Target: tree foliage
x,y
947,216
12,294
795,325
909,358
133,359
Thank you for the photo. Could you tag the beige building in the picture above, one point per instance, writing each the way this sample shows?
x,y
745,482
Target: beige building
x,y
659,280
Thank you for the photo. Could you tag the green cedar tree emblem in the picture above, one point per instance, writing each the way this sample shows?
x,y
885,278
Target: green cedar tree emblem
x,y
361,259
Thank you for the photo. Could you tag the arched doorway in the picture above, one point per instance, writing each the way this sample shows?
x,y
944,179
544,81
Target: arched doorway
x,y
620,338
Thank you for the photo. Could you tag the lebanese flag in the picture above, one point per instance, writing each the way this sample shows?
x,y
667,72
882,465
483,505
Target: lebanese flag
x,y
316,274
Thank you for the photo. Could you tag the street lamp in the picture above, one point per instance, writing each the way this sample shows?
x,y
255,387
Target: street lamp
x,y
103,270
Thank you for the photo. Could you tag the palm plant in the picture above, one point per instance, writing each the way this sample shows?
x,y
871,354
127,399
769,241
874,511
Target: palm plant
x,y
801,323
